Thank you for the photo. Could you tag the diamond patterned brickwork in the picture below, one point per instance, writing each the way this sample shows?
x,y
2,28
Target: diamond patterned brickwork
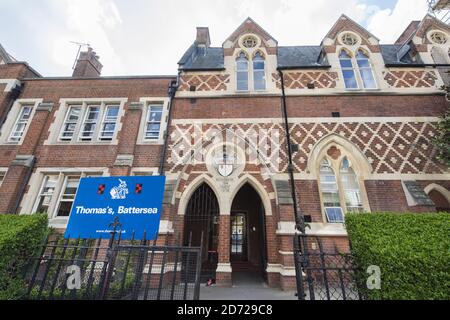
x,y
390,147
301,79
205,82
410,79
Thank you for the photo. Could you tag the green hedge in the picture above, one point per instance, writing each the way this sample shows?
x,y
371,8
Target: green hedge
x,y
20,238
412,251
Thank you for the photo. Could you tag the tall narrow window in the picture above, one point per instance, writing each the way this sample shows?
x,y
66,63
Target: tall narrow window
x,y
242,72
46,194
90,123
70,124
365,70
21,123
109,122
348,70
259,74
67,196
350,186
330,193
153,126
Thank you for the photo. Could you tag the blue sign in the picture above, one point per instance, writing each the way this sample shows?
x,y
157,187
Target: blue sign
x,y
135,201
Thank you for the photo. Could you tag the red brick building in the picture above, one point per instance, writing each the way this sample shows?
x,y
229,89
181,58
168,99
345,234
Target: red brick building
x,y
361,117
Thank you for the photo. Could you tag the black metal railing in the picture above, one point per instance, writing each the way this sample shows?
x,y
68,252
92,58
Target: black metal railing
x,y
323,272
109,269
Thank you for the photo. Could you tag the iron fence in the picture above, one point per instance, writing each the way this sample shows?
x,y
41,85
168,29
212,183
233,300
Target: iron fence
x,y
87,269
324,273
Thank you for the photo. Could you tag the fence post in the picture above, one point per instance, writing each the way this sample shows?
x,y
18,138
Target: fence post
x,y
298,268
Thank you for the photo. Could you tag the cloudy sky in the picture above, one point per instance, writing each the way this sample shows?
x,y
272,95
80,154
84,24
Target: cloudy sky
x,y
140,37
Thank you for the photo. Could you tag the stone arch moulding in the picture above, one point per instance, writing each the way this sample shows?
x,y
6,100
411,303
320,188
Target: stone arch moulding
x,y
360,161
192,187
259,188
440,189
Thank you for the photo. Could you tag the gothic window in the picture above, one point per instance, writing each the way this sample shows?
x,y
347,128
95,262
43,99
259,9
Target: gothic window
x,y
438,37
242,72
249,42
330,193
259,74
339,188
348,70
365,70
154,118
349,39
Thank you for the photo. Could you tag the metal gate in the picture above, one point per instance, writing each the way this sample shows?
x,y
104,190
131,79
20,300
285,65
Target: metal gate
x,y
323,273
87,269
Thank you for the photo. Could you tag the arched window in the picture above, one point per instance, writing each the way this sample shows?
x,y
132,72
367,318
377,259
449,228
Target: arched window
x,y
348,70
259,74
330,193
340,189
350,186
365,70
242,72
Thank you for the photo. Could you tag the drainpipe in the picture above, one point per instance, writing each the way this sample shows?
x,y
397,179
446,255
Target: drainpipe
x,y
24,185
173,87
13,95
299,218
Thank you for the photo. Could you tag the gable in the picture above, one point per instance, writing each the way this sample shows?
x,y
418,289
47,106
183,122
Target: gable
x,y
346,24
249,26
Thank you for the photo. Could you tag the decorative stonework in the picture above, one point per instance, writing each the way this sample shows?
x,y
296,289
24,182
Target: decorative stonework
x,y
410,79
207,82
389,147
301,79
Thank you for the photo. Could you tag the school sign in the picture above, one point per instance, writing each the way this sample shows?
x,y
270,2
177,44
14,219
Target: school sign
x,y
135,201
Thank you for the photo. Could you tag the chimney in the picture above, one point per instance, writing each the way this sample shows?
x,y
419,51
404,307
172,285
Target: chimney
x,y
203,37
88,65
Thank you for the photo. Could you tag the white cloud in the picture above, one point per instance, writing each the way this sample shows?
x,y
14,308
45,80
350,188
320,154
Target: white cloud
x,y
389,24
150,36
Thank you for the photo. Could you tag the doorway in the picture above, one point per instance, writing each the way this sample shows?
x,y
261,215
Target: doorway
x,y
201,228
248,251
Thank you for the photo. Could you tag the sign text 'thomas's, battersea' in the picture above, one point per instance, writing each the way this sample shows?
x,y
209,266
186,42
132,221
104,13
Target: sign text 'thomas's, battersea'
x,y
135,201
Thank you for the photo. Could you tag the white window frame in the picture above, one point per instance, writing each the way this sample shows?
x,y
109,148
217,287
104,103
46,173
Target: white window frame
x,y
247,72
149,122
108,120
3,172
362,85
16,135
56,128
335,164
354,69
41,192
66,121
146,101
86,121
12,119
251,70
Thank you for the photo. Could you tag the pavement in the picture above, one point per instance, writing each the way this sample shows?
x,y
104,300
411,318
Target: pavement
x,y
246,286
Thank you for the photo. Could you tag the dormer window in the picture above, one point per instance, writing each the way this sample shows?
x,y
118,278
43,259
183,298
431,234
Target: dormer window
x,y
357,72
242,72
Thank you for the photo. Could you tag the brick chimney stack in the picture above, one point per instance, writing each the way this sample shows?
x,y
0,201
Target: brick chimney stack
x,y
88,65
203,37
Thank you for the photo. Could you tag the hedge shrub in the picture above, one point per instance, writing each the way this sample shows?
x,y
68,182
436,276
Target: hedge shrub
x,y
20,239
412,251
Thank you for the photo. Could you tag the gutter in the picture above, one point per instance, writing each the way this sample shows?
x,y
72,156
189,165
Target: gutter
x,y
13,95
173,87
422,65
299,218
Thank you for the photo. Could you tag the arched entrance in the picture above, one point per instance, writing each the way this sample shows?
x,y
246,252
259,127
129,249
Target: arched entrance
x,y
248,252
201,227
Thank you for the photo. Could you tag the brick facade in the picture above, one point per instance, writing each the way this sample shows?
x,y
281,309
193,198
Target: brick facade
x,y
386,133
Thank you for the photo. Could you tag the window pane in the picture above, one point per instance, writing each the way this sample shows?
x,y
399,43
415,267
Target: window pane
x,y
350,184
346,63
350,79
112,112
367,77
153,127
363,63
334,215
64,208
258,65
